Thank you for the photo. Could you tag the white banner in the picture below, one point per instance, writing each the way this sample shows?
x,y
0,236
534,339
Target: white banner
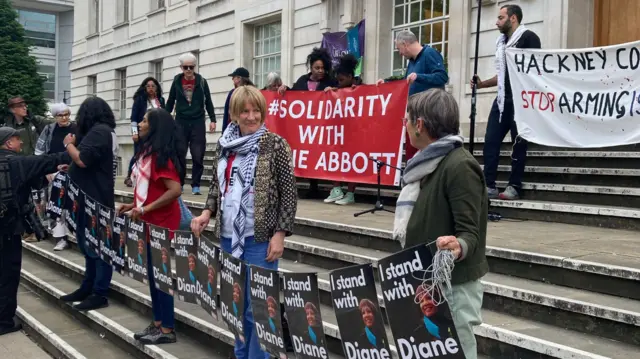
x,y
580,98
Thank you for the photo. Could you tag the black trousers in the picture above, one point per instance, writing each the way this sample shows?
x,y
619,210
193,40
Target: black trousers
x,y
10,264
195,135
496,131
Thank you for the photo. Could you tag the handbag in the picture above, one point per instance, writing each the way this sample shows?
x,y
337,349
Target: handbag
x,y
185,216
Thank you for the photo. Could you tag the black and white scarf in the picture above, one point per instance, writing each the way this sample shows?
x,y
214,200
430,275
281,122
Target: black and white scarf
x,y
422,164
501,61
248,146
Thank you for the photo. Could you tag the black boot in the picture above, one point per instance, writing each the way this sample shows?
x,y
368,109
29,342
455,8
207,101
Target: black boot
x,y
16,327
91,303
78,296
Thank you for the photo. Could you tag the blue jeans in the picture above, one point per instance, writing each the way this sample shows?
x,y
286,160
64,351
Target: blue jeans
x,y
255,254
97,275
161,302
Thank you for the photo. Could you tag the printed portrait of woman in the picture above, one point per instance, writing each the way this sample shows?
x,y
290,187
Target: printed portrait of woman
x,y
74,210
107,239
93,225
140,251
272,309
165,261
313,325
373,336
192,267
432,320
237,294
123,239
211,276
61,196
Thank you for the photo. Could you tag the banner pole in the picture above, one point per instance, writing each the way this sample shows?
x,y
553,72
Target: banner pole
x,y
474,88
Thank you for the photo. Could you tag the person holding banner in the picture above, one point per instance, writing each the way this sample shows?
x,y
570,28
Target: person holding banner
x,y
94,157
51,141
443,203
501,118
346,77
252,197
156,175
318,78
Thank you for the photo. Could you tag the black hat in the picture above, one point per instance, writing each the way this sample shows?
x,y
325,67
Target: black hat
x,y
6,133
240,71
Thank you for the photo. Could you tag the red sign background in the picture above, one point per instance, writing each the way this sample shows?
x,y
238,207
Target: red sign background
x,y
334,134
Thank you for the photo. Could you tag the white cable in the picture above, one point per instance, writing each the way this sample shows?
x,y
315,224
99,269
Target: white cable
x,y
437,277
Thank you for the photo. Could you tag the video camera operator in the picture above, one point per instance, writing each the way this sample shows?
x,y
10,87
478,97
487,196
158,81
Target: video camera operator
x,y
18,175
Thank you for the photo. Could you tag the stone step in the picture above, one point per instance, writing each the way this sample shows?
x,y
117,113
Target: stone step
x,y
527,340
507,144
33,312
117,322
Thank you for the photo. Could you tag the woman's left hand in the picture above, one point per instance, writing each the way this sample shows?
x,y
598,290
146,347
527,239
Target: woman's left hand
x,y
276,247
449,243
136,213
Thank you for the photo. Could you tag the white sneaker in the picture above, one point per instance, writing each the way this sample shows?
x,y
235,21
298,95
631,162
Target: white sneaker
x,y
61,245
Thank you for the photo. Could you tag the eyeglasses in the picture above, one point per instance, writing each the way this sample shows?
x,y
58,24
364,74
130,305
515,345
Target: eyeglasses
x,y
191,68
63,115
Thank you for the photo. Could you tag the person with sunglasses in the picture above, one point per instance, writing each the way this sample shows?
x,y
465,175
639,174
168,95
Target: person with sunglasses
x,y
51,141
190,96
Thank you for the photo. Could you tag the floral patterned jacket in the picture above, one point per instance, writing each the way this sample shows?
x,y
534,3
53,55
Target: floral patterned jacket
x,y
275,200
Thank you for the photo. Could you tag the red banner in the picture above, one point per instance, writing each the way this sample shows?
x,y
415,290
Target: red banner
x,y
334,135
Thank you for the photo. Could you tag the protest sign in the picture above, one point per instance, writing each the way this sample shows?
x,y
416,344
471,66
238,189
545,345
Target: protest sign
x,y
105,232
118,258
420,328
137,251
186,251
302,305
91,224
360,320
160,245
334,135
55,203
232,293
582,98
72,205
264,286
207,276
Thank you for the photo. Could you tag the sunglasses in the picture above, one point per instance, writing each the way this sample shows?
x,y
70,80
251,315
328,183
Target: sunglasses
x,y
188,67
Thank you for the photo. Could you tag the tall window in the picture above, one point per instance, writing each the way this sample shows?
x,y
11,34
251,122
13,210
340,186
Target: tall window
x,y
157,4
122,11
427,19
94,15
49,75
39,28
157,71
121,96
92,86
266,53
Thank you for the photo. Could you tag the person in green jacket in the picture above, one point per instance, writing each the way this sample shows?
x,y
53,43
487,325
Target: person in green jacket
x,y
20,119
444,203
190,96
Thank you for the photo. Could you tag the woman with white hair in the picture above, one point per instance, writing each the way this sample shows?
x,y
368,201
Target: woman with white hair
x,y
274,81
51,141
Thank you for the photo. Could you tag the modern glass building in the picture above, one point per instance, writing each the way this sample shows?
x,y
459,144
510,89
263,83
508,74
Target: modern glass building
x,y
49,28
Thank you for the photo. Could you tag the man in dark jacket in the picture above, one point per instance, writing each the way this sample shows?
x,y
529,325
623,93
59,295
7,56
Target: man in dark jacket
x,y
190,96
18,175
236,77
21,120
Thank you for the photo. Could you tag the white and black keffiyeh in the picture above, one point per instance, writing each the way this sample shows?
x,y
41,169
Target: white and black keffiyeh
x,y
248,146
501,61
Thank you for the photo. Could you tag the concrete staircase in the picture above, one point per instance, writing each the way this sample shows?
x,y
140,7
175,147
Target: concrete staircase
x,y
593,187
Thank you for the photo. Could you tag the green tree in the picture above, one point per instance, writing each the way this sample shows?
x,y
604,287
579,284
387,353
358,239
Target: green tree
x,y
18,69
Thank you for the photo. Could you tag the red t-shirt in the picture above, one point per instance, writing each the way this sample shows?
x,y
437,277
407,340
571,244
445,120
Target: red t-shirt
x,y
188,87
168,216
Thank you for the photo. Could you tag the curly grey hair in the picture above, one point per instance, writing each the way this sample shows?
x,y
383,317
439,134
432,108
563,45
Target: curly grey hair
x,y
187,57
58,108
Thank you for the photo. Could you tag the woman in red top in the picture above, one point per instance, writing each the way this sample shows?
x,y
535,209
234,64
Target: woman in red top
x,y
156,176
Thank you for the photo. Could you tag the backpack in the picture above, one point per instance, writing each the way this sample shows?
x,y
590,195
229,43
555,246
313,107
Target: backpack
x,y
8,205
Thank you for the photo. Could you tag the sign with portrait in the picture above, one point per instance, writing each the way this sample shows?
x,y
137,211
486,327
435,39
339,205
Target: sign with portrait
x,y
137,250
160,244
186,250
264,286
232,293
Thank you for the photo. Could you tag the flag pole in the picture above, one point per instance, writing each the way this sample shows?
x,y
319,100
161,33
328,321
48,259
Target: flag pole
x,y
474,88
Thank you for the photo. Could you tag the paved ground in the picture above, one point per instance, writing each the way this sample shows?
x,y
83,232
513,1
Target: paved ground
x,y
602,245
18,345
